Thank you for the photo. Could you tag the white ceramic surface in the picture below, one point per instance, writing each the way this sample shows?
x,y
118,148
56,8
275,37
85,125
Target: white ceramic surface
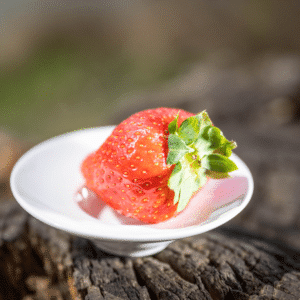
x,y
46,181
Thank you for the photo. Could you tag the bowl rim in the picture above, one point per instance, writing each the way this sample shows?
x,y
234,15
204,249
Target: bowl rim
x,y
93,229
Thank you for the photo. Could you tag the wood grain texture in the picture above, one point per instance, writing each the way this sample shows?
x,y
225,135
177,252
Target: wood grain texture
x,y
40,262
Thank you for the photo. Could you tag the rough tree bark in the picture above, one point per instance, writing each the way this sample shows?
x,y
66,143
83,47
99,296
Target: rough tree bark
x,y
40,262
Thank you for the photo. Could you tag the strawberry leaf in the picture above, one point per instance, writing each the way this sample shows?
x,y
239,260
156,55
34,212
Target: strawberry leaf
x,y
203,146
191,182
209,140
177,149
215,136
227,147
218,163
175,181
216,175
203,119
189,130
185,182
188,187
173,126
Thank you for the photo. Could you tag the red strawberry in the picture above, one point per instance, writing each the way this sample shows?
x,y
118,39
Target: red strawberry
x,y
149,167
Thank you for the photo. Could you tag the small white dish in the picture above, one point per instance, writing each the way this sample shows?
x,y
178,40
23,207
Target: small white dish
x,y
47,183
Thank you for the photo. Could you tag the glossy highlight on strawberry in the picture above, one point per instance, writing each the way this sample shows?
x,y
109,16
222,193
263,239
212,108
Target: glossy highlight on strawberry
x,y
154,161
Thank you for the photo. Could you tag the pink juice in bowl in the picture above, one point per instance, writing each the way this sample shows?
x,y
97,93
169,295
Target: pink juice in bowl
x,y
215,194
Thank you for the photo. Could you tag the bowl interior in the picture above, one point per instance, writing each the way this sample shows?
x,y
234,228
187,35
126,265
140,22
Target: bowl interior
x,y
47,183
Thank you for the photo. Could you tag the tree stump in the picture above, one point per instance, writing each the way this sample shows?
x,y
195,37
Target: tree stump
x,y
40,262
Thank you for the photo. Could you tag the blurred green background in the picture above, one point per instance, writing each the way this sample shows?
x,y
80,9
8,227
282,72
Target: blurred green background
x,y
67,65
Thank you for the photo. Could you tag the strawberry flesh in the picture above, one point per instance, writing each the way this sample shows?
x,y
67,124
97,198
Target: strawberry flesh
x,y
129,171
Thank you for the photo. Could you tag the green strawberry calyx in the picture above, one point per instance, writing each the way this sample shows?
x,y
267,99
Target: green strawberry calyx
x,y
199,150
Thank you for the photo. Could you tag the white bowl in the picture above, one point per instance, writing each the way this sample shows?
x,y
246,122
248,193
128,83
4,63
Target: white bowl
x,y
47,183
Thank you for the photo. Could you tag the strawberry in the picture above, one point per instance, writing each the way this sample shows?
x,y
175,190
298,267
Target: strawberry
x,y
155,161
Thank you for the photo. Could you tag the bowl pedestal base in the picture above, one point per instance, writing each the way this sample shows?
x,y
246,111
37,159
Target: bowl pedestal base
x,y
131,249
